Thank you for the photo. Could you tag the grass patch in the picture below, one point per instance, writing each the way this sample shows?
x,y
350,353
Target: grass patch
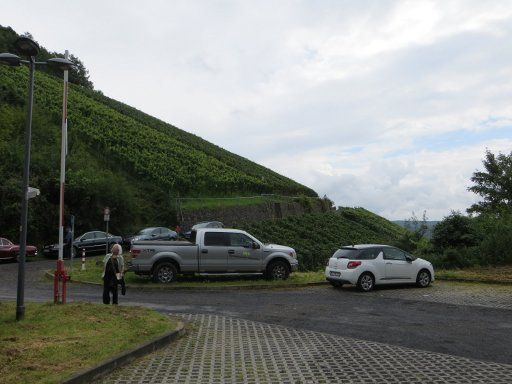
x,y
93,274
55,341
500,275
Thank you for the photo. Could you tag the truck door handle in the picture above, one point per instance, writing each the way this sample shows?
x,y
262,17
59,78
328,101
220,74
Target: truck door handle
x,y
389,263
204,251
231,251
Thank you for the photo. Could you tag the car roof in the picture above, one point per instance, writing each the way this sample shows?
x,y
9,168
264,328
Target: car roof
x,y
364,246
221,230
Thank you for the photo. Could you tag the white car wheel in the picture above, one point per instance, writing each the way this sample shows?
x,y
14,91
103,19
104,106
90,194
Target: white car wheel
x,y
366,282
423,280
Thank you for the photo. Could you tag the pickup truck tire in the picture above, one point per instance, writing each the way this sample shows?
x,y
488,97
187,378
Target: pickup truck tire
x,y
277,270
165,272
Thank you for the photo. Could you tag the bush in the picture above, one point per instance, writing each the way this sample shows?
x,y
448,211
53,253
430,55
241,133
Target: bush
x,y
495,248
455,231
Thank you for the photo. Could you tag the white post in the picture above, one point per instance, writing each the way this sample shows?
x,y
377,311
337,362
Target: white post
x,y
83,259
63,150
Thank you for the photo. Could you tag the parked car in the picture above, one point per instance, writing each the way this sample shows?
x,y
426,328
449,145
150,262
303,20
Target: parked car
x,y
368,265
215,250
202,224
155,233
11,251
94,242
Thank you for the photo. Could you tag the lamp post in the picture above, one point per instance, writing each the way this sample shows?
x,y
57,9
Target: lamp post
x,y
28,48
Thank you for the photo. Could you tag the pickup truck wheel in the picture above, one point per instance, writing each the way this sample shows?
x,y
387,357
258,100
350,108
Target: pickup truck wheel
x,y
278,270
165,273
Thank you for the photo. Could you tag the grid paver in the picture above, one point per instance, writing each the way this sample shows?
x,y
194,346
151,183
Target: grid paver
x,y
481,295
220,349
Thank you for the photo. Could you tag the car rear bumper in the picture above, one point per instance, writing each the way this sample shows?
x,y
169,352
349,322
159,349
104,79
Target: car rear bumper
x,y
344,276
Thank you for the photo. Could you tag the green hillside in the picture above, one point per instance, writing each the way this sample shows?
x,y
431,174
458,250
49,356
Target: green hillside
x,y
316,236
118,157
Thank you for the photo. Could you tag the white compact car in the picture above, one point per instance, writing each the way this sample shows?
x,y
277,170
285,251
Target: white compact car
x,y
367,265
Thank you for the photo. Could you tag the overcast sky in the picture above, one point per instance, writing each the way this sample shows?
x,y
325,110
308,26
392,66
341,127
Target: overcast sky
x,y
388,105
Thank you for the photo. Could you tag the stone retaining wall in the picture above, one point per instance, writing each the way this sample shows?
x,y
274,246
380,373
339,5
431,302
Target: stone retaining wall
x,y
231,216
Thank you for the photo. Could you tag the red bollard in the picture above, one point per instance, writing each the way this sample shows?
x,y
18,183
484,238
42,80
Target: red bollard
x,y
60,277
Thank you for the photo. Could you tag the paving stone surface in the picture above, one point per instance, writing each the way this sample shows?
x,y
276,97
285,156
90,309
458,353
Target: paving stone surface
x,y
221,349
483,295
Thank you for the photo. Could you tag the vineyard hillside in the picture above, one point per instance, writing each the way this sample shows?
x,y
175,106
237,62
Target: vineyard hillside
x,y
118,157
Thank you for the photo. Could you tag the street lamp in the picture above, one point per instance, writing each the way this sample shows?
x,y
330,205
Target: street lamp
x,y
28,48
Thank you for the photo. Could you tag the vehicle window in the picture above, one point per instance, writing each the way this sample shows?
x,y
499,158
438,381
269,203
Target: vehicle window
x,y
100,235
88,236
346,253
216,239
394,254
369,254
240,240
157,231
2,242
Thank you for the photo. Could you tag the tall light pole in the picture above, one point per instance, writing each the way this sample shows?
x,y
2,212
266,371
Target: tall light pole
x,y
27,48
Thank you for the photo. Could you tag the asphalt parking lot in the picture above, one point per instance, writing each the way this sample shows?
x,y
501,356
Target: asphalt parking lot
x,y
412,330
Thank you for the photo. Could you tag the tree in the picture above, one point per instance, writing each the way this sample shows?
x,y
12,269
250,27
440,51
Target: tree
x,y
455,231
494,184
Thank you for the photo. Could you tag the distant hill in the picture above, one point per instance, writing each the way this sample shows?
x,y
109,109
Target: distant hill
x,y
118,157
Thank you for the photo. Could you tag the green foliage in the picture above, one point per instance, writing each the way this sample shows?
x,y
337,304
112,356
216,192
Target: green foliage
x,y
317,236
494,184
461,241
454,231
495,247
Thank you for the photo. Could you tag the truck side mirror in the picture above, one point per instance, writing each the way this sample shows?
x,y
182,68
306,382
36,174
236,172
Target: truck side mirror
x,y
255,245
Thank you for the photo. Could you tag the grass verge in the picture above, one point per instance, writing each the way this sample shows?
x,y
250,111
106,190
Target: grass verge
x,y
92,274
55,341
498,275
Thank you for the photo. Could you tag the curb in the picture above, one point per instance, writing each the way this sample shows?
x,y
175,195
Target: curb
x,y
205,288
90,374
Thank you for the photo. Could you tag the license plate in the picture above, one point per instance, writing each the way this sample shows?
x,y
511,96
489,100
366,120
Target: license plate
x,y
335,274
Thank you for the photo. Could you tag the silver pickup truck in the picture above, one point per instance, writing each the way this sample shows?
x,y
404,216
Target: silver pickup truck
x,y
213,250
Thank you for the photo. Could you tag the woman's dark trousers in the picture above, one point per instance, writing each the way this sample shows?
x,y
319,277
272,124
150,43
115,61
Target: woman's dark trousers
x,y
109,285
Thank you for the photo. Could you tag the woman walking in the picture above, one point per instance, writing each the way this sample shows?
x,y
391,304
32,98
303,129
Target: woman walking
x,y
113,270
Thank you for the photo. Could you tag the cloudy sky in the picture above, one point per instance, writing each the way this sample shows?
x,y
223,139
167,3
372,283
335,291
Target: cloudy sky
x,y
388,105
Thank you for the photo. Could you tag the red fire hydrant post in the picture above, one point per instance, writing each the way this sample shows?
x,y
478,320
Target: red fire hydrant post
x,y
59,283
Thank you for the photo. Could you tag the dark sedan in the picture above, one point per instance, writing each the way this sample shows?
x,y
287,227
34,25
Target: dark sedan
x,y
10,251
155,233
94,242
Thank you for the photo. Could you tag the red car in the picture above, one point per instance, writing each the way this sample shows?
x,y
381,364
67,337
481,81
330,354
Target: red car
x,y
10,251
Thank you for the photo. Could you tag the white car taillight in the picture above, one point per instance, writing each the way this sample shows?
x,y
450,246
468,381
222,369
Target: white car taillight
x,y
353,264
